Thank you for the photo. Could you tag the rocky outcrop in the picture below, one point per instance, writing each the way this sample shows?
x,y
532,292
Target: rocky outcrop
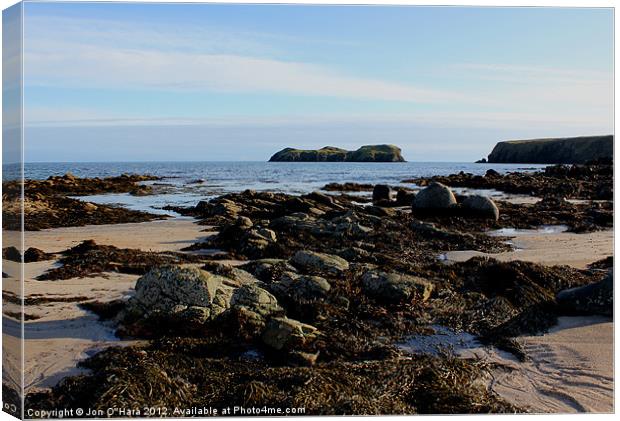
x,y
569,150
368,153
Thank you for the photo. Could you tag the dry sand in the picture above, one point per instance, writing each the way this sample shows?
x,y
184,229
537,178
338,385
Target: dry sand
x,y
64,333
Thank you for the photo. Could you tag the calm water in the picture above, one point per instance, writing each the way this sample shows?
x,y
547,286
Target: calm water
x,y
185,183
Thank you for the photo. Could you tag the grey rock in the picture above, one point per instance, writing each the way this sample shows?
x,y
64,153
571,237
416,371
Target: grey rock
x,y
167,289
596,298
301,287
435,196
267,269
481,206
255,299
319,263
395,286
282,333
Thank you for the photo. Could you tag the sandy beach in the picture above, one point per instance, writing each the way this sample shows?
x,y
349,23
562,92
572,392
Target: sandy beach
x,y
565,248
570,369
64,333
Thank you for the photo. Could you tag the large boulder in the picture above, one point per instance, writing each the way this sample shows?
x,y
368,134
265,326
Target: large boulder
x,y
435,196
287,334
393,286
481,207
596,298
176,289
319,263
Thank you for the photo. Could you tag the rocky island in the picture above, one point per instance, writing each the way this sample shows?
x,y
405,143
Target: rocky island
x,y
568,150
368,153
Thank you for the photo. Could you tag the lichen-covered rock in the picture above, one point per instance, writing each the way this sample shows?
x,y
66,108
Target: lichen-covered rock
x,y
435,196
319,263
255,299
394,286
236,275
283,333
172,289
481,206
597,298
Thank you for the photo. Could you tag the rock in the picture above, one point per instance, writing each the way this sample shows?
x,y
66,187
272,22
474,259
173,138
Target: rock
x,y
594,298
319,263
255,299
89,207
236,275
481,206
301,287
244,222
354,254
435,196
381,192
226,208
481,161
268,270
492,173
255,242
395,286
283,333
164,289
404,197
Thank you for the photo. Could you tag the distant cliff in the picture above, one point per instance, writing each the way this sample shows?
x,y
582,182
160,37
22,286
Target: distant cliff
x,y
568,150
369,153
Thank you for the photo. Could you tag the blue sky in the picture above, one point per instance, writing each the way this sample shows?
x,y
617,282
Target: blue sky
x,y
239,82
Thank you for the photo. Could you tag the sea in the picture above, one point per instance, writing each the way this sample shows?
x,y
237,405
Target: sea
x,y
187,183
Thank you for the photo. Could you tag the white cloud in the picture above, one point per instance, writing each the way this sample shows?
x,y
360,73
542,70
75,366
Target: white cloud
x,y
65,52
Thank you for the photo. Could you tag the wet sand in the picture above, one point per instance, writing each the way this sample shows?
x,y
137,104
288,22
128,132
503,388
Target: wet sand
x,y
571,369
565,248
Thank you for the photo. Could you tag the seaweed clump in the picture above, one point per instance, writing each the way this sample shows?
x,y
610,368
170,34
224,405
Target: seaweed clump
x,y
89,258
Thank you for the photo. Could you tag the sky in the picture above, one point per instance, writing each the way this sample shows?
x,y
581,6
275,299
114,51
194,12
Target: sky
x,y
144,82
